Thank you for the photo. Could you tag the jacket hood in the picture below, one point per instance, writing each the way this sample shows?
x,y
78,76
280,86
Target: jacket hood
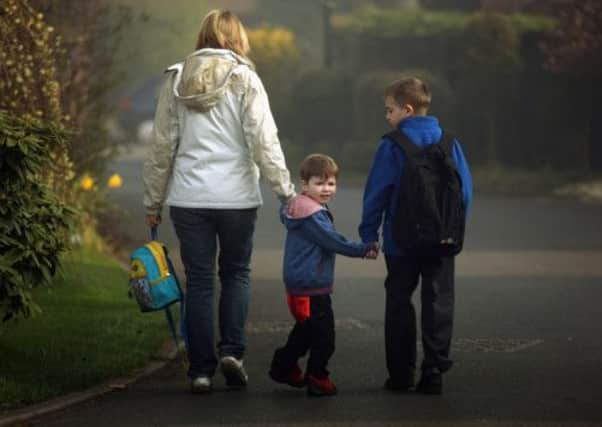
x,y
204,76
422,130
298,209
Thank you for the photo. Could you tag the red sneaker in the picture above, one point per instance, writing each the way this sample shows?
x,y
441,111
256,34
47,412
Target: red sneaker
x,y
294,378
320,386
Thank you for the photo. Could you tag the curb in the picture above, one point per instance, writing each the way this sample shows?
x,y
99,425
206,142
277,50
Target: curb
x,y
165,354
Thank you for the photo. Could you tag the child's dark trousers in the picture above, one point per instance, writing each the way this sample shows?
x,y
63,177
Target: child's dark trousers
x,y
315,335
437,300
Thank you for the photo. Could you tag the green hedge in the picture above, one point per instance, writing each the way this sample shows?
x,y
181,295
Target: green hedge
x,y
488,79
33,222
400,22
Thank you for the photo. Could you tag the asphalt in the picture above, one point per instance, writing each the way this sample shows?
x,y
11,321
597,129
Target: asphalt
x,y
526,336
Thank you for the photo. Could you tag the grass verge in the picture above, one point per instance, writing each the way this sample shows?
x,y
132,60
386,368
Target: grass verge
x,y
88,331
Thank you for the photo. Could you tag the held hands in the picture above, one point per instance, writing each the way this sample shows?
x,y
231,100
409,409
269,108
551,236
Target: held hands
x,y
373,249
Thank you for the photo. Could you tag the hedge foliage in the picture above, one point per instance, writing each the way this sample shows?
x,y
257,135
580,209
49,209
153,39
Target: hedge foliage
x,y
403,22
29,48
33,222
487,74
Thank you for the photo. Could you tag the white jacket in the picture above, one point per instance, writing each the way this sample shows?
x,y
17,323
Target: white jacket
x,y
213,134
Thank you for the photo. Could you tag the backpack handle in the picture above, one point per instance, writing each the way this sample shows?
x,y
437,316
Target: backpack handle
x,y
154,232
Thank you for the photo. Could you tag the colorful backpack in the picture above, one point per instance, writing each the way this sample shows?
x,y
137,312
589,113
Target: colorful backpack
x,y
153,281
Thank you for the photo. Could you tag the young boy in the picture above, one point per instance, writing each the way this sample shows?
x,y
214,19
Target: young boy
x,y
406,105
309,254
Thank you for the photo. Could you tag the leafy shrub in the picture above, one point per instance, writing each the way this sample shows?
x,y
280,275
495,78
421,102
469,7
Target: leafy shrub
x,y
488,71
388,23
368,98
33,222
490,86
322,100
28,50
277,57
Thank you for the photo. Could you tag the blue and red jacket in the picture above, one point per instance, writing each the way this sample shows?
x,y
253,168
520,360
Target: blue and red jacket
x,y
381,194
311,245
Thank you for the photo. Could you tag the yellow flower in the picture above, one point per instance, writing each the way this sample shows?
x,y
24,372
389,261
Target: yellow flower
x,y
115,181
87,183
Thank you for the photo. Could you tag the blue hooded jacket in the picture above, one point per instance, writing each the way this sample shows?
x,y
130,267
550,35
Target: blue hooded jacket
x,y
381,194
310,248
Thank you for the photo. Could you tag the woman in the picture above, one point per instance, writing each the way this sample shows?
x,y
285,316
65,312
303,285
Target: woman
x,y
213,135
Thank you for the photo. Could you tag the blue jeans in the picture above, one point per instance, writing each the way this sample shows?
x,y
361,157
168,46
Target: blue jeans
x,y
199,231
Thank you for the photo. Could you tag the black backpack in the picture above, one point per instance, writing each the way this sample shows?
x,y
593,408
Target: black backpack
x,y
430,217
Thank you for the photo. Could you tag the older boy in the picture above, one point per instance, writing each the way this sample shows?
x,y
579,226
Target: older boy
x,y
406,105
309,254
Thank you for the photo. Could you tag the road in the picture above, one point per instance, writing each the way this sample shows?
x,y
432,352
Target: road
x,y
526,340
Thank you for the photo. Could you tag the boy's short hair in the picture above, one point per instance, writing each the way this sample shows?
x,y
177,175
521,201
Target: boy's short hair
x,y
412,91
319,165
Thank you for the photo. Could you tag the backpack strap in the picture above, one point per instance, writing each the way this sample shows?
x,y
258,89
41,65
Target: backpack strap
x,y
172,327
154,232
447,142
409,148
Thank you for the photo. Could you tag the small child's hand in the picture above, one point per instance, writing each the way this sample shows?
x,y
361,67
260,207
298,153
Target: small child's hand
x,y
373,249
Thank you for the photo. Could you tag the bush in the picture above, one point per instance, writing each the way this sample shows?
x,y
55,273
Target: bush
x,y
28,50
322,100
30,85
368,99
33,222
277,57
484,70
488,81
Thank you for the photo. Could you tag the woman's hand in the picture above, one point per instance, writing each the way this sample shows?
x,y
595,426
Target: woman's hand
x,y
152,220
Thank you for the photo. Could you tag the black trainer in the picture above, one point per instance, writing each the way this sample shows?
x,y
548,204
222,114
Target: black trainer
x,y
431,382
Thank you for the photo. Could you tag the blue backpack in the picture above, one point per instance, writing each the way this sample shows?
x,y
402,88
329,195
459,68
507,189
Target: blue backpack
x,y
153,282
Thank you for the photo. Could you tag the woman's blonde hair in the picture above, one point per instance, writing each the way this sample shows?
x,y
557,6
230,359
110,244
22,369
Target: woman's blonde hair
x,y
221,29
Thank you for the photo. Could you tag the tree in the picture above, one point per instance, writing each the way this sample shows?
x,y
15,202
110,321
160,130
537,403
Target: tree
x,y
577,45
90,33
577,48
487,73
